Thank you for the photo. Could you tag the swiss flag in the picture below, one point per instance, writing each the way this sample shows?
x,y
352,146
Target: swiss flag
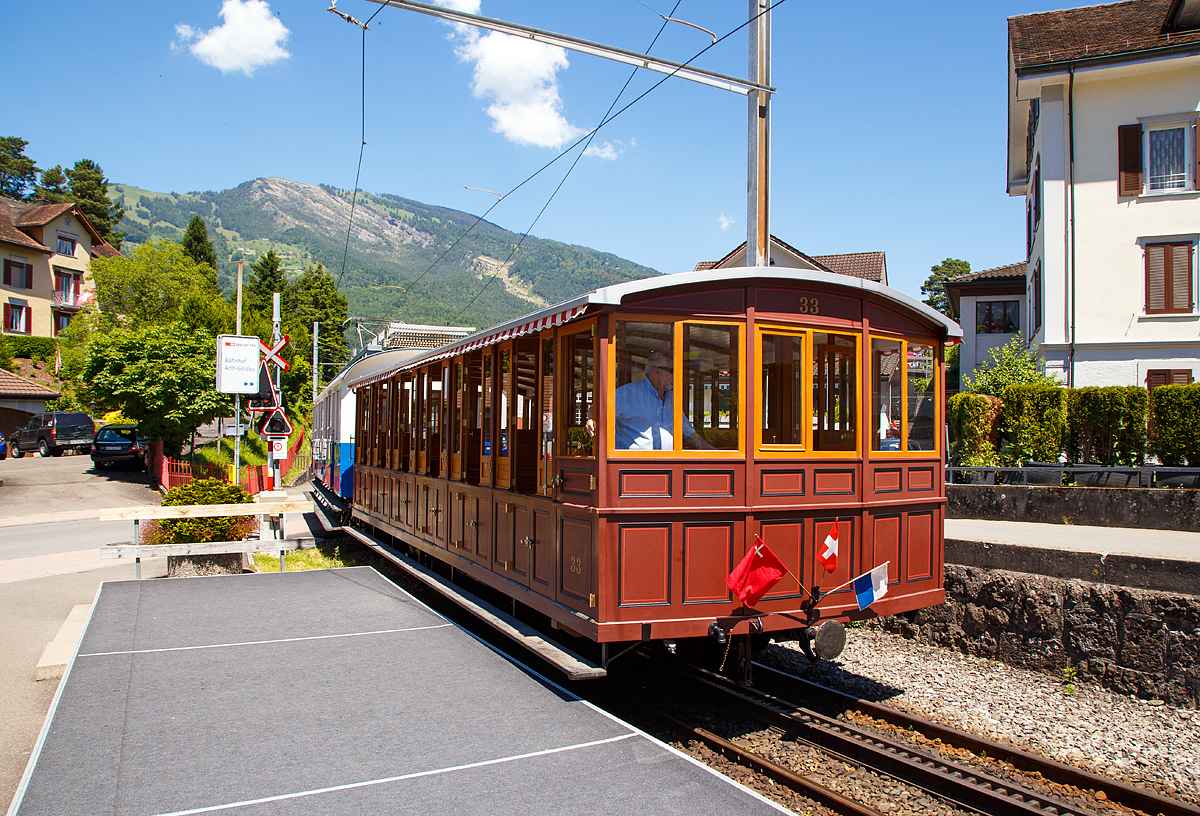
x,y
828,554
760,570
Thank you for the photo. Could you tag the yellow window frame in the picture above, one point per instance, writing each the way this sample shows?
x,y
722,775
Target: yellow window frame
x,y
938,379
677,329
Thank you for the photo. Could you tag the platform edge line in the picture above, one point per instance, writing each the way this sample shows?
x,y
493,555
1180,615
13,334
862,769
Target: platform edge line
x,y
265,642
403,777
19,795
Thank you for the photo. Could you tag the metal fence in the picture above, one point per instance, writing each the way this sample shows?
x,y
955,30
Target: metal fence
x,y
1056,474
253,478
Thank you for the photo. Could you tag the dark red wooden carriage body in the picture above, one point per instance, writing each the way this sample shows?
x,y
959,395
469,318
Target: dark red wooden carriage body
x,y
818,398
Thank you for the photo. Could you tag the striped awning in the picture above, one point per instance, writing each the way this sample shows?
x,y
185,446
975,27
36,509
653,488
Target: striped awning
x,y
536,323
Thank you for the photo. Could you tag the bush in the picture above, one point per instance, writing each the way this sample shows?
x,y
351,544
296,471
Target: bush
x,y
1108,425
1175,412
974,420
1014,363
198,530
33,348
1035,422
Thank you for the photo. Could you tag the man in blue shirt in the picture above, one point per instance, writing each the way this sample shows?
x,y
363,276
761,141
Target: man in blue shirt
x,y
645,411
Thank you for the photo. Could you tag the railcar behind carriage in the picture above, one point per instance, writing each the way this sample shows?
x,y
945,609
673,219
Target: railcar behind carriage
x,y
793,401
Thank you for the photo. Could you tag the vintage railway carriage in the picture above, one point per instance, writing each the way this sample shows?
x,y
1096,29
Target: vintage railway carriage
x,y
794,400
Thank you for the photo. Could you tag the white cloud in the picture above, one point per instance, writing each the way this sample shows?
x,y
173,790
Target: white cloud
x,y
725,221
520,77
249,38
608,150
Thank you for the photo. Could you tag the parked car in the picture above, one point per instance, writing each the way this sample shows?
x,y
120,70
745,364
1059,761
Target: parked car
x,y
3,448
120,443
51,434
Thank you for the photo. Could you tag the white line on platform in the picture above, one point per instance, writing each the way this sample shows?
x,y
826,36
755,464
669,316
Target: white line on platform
x,y
265,642
385,780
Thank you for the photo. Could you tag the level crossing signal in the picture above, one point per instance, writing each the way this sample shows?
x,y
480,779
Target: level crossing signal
x,y
273,422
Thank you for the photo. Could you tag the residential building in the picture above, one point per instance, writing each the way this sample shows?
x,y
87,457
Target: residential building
x,y
46,250
868,265
992,309
1103,145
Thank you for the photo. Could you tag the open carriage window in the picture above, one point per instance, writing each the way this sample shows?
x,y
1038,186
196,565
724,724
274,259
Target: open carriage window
x,y
645,379
782,374
710,385
580,426
835,392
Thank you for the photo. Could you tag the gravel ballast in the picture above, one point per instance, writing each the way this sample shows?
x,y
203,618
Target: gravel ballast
x,y
1141,742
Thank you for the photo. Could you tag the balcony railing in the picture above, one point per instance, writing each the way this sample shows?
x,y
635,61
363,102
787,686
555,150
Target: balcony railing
x,y
67,300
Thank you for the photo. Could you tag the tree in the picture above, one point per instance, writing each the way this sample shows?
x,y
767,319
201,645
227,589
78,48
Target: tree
x,y
160,376
198,247
267,279
157,283
17,171
89,189
53,186
933,289
313,298
1013,363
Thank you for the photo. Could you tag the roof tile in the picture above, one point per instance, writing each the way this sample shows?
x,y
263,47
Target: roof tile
x,y
12,386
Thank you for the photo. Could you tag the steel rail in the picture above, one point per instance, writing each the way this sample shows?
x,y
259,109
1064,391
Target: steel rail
x,y
774,681
798,783
961,785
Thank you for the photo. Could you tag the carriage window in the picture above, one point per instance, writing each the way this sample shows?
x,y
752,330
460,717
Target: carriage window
x,y
885,395
485,407
433,421
835,392
505,398
782,360
643,406
404,431
710,386
547,408
456,408
903,396
922,416
580,426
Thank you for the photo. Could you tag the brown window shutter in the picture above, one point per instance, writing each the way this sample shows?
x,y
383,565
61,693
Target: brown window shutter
x,y
1129,159
28,276
7,309
1196,154
1156,278
29,320
1181,377
8,265
1181,277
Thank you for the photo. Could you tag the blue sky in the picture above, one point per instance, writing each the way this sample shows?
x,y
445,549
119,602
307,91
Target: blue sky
x,y
888,130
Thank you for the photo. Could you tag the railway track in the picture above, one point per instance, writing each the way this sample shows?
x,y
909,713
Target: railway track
x,y
961,785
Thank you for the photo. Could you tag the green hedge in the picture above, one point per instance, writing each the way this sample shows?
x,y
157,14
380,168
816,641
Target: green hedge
x,y
33,348
220,528
1034,422
1108,425
974,421
1175,418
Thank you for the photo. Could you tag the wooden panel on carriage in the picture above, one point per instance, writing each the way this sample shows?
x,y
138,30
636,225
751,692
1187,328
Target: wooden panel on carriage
x,y
504,534
707,560
577,565
644,564
522,551
483,529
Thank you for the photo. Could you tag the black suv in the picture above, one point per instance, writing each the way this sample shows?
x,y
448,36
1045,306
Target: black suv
x,y
51,434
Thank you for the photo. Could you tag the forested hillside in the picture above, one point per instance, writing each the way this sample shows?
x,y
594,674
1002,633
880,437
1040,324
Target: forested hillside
x,y
394,241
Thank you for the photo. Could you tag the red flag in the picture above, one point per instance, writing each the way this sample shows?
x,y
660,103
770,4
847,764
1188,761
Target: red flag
x,y
760,570
827,556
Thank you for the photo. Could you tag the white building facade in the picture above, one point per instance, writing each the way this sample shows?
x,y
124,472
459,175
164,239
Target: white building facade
x,y
1104,145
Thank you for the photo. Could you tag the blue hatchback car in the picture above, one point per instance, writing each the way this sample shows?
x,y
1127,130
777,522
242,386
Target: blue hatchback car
x,y
3,447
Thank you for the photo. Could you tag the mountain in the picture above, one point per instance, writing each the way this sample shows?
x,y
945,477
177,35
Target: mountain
x,y
394,242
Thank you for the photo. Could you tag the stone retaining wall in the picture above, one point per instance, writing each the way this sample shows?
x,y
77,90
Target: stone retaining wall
x,y
1131,641
1157,508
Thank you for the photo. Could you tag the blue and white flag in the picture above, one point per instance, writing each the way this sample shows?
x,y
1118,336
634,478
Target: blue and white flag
x,y
871,586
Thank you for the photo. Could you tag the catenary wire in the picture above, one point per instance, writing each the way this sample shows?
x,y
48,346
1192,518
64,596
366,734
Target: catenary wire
x,y
563,181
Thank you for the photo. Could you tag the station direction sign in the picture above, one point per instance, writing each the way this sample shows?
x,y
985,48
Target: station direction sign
x,y
237,364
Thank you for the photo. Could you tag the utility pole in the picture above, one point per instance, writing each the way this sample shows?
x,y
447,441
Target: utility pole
x,y
758,199
237,398
276,476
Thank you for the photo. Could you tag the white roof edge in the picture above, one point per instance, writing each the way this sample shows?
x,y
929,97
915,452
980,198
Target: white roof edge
x,y
615,295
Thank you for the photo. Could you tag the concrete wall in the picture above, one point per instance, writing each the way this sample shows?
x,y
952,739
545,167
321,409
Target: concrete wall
x,y
1131,641
1157,509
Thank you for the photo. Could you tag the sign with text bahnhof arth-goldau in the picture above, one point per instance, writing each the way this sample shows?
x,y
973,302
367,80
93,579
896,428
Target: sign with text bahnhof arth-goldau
x,y
237,364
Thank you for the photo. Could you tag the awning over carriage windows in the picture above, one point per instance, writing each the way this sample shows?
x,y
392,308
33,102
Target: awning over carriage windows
x,y
534,323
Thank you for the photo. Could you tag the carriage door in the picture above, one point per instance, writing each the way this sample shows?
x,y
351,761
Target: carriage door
x,y
504,394
526,416
486,398
835,392
456,398
576,467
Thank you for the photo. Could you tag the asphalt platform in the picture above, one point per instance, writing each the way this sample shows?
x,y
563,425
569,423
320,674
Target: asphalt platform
x,y
330,692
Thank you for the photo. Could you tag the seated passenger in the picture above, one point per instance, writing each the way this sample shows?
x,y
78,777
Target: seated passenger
x,y
645,411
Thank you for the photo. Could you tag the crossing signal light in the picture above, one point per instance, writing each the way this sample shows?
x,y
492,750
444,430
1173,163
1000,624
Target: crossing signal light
x,y
273,423
266,396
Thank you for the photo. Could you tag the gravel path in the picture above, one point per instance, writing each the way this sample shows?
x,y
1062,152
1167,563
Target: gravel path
x,y
1141,742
